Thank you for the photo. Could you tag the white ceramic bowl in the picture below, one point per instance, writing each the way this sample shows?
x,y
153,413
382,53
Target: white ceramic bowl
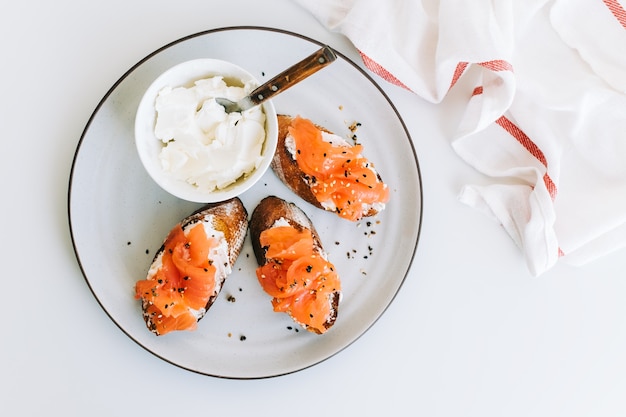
x,y
149,147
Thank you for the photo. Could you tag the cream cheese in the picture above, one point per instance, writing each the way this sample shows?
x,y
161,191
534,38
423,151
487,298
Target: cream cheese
x,y
282,222
204,145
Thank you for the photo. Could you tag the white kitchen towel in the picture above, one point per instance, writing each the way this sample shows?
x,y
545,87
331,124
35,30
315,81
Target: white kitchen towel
x,y
545,111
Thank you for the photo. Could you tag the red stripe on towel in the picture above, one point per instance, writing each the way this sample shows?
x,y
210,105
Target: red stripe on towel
x,y
497,65
618,11
458,71
550,185
378,69
521,137
518,134
531,147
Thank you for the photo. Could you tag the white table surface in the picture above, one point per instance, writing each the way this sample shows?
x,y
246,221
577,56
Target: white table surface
x,y
471,333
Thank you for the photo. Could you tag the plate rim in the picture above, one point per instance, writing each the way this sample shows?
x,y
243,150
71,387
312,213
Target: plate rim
x,y
181,40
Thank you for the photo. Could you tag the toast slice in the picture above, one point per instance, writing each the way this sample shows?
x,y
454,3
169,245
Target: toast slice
x,y
293,266
308,160
191,266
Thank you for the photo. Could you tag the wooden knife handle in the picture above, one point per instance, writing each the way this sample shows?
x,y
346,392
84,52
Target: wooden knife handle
x,y
293,75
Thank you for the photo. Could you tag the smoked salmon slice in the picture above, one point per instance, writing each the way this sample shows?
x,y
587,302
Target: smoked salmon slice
x,y
180,288
299,278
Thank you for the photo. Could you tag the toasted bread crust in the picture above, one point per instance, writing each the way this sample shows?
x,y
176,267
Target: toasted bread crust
x,y
264,216
286,168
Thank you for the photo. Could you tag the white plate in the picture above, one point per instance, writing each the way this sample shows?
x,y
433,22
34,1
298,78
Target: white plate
x,y
119,216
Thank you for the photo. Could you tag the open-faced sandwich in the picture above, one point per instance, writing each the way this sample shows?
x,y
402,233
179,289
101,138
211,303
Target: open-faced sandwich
x,y
293,267
191,266
326,170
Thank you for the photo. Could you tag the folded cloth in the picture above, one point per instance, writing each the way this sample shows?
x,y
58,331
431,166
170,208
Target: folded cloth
x,y
544,84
